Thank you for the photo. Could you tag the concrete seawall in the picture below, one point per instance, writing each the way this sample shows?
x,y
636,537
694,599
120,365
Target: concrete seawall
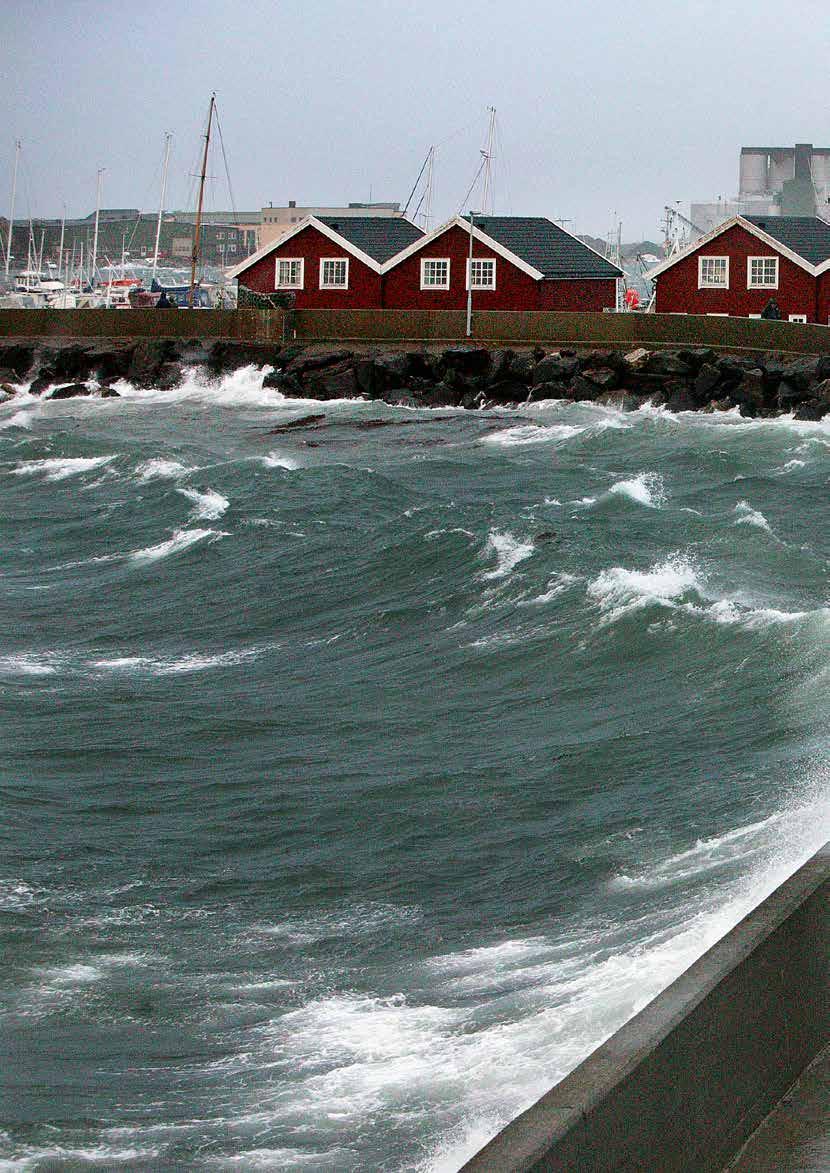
x,y
683,1084
435,327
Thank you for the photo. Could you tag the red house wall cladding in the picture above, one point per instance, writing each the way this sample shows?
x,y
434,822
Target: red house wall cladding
x,y
823,299
677,287
576,295
363,293
514,290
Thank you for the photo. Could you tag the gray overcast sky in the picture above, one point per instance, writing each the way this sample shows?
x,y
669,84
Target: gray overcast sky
x,y
602,107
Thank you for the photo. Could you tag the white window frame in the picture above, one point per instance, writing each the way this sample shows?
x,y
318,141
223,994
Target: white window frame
x,y
800,318
431,261
300,284
332,261
701,284
479,261
750,284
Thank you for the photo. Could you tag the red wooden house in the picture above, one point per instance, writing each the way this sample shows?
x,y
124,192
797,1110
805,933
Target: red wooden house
x,y
518,263
735,270
329,262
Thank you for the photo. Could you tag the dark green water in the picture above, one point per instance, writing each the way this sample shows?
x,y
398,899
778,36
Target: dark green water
x,y
357,782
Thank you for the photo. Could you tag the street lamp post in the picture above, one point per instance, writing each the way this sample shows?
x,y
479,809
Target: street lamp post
x,y
470,278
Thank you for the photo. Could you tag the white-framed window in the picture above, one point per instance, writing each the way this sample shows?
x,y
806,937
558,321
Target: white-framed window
x,y
713,272
798,318
435,273
290,272
762,272
334,273
481,273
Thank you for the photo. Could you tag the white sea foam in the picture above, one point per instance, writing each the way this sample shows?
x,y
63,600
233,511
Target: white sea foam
x,y
208,505
56,469
194,662
532,434
27,664
278,460
619,591
509,552
160,469
749,516
644,489
557,585
180,540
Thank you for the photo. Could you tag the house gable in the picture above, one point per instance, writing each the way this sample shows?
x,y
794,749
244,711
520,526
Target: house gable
x,y
322,285
728,271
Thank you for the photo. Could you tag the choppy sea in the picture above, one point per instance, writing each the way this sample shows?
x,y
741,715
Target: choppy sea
x,y
358,780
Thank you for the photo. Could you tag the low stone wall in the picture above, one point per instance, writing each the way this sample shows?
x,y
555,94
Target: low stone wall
x,y
683,1085
148,323
565,329
490,328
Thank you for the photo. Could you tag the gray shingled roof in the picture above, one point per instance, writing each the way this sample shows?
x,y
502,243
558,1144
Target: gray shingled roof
x,y
380,237
547,247
807,236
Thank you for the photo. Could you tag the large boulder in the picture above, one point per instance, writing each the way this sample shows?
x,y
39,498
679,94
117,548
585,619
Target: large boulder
x,y
283,382
332,381
70,391
18,358
224,357
556,368
595,360
522,364
541,391
666,363
376,374
306,362
803,372
148,360
790,393
442,394
603,378
749,393
706,381
507,391
467,361
812,409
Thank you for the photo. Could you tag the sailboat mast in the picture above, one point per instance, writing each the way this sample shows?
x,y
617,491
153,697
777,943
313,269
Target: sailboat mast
x,y
60,249
168,138
95,236
11,211
487,196
198,228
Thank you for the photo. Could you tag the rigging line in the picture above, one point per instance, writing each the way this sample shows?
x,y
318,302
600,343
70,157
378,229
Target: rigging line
x,y
417,181
225,161
472,185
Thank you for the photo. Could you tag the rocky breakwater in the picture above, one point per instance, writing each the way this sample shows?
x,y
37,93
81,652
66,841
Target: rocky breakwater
x,y
464,376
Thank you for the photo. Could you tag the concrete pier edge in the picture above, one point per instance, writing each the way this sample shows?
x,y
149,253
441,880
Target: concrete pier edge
x,y
683,1084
